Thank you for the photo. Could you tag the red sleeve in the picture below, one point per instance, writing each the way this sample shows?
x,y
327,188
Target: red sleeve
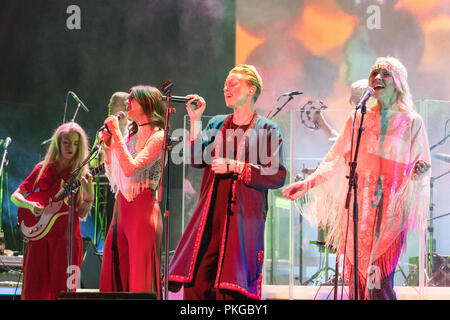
x,y
28,183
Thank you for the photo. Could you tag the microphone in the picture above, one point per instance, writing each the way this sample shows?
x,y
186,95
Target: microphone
x,y
293,93
119,115
179,99
441,156
367,94
74,96
7,142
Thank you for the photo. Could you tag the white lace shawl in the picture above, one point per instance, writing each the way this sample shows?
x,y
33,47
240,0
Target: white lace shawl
x,y
131,171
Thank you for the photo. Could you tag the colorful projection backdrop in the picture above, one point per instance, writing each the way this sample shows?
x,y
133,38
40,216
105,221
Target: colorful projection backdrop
x,y
322,47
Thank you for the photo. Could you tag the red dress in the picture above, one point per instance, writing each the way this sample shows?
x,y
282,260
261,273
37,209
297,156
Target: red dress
x,y
227,250
131,260
45,260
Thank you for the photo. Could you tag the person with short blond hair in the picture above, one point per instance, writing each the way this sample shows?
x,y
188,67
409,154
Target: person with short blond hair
x,y
221,252
252,76
118,103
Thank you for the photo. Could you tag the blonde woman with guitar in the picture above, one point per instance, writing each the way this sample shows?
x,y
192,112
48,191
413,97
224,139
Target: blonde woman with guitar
x,y
44,220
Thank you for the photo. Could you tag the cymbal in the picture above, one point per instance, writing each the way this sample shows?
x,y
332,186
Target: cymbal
x,y
441,156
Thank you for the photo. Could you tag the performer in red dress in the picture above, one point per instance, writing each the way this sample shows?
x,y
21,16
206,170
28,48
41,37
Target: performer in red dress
x,y
133,166
221,252
45,260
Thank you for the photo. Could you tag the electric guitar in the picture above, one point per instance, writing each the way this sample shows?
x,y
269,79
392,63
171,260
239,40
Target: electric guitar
x,y
35,228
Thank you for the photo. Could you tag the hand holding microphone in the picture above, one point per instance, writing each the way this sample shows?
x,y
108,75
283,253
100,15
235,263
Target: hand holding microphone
x,y
110,128
112,122
195,114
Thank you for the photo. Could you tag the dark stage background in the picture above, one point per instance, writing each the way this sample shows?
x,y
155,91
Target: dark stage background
x,y
120,44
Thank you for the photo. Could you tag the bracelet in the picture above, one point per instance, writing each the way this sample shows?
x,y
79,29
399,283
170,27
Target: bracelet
x,y
228,162
88,200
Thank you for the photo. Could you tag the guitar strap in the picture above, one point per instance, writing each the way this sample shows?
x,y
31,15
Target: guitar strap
x,y
115,251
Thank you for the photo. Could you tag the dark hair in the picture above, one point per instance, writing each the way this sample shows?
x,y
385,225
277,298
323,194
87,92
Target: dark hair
x,y
150,98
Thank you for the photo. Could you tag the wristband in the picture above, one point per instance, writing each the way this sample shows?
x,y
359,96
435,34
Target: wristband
x,y
228,162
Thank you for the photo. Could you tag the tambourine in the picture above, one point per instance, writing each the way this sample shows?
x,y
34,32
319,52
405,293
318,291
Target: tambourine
x,y
308,111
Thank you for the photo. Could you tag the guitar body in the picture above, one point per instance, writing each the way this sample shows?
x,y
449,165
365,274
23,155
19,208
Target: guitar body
x,y
35,228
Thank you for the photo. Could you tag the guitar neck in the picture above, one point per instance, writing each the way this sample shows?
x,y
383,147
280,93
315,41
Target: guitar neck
x,y
93,172
75,184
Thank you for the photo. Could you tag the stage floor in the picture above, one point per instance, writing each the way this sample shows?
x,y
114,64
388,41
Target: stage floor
x,y
281,292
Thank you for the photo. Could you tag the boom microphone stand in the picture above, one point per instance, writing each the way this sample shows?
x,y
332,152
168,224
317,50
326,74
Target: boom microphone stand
x,y
353,184
290,95
4,162
166,147
431,245
70,188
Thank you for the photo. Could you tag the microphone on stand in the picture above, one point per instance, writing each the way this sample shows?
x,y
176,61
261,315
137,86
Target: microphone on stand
x,y
290,95
367,94
293,93
74,96
179,99
8,140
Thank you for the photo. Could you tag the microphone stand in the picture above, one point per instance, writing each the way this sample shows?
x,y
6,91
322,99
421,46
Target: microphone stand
x,y
64,117
353,184
279,108
76,111
166,147
70,234
3,164
69,188
431,241
440,142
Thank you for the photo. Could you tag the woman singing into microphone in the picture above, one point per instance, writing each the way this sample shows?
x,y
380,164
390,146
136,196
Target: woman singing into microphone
x,y
393,179
133,166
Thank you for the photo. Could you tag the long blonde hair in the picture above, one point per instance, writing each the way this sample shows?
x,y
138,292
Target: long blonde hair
x,y
54,150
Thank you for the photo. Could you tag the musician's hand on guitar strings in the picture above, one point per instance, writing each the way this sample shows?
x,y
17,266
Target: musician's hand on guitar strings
x,y
88,186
